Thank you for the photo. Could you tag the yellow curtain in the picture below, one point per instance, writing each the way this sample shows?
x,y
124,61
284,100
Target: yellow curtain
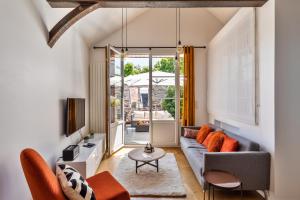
x,y
188,117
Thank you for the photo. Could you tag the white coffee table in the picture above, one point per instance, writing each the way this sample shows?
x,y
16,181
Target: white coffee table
x,y
138,155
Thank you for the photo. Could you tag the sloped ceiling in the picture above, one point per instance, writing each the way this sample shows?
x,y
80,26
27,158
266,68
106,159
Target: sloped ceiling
x,y
104,21
223,14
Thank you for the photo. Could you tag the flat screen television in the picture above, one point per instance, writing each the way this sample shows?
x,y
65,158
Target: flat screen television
x,y
75,115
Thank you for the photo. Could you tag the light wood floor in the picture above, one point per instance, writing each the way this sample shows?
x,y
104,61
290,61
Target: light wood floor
x,y
193,188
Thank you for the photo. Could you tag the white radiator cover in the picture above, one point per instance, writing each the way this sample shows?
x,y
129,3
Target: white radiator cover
x,y
97,90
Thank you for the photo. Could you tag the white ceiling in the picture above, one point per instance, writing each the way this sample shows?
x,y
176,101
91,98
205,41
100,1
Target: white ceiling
x,y
223,14
104,21
99,24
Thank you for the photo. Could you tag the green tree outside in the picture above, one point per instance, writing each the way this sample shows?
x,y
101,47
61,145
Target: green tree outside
x,y
168,65
168,103
164,65
130,69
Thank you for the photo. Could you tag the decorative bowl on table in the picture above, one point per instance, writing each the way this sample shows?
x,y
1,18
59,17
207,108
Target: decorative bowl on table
x,y
149,148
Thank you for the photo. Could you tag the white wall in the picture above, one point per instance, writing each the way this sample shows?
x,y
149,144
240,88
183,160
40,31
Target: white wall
x,y
287,98
264,133
156,27
34,82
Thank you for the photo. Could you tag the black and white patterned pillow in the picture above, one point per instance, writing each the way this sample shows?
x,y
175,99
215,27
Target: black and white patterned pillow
x,y
73,184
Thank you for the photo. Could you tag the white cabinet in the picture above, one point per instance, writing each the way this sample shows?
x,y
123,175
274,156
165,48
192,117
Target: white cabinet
x,y
88,159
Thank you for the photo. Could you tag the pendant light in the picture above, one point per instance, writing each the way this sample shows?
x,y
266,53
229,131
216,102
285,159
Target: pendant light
x,y
126,49
122,35
176,30
179,45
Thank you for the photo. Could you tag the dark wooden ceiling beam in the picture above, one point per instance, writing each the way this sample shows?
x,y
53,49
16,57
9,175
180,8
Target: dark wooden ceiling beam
x,y
158,3
84,7
70,19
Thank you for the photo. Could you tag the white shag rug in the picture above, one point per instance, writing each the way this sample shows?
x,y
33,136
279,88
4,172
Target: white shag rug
x,y
147,182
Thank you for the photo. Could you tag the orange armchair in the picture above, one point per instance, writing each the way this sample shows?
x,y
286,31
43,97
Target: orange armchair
x,y
44,185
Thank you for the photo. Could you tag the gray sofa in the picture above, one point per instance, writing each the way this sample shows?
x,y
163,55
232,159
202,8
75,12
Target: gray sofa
x,y
250,164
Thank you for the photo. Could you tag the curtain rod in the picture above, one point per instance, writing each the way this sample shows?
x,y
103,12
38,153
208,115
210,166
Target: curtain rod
x,y
196,47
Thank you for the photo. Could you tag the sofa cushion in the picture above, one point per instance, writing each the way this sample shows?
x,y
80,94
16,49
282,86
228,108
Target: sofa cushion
x,y
244,144
229,144
190,133
203,133
162,115
207,139
190,143
146,115
216,142
139,114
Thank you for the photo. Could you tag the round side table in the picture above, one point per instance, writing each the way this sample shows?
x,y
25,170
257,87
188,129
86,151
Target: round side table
x,y
221,180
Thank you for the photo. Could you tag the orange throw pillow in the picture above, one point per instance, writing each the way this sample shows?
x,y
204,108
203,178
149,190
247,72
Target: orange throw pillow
x,y
207,139
203,133
229,144
216,142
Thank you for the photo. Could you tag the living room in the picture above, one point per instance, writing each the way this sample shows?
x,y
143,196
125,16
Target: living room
x,y
40,82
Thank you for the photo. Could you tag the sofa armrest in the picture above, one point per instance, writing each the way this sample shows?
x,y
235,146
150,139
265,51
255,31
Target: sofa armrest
x,y
191,127
253,168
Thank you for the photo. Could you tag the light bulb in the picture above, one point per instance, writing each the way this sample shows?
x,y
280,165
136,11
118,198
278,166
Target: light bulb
x,y
179,48
123,53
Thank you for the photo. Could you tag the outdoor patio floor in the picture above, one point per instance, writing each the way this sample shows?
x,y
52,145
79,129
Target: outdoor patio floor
x,y
133,137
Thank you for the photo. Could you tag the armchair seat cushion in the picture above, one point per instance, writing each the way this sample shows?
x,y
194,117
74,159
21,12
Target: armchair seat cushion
x,y
106,187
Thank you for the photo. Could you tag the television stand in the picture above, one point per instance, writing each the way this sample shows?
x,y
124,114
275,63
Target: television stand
x,y
89,158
